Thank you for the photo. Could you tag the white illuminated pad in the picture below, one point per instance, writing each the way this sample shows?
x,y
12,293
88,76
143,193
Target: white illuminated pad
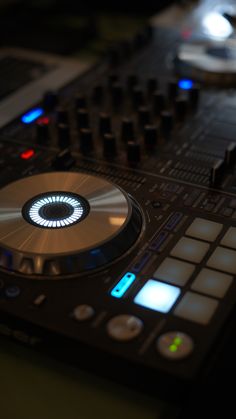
x,y
204,229
212,283
174,271
223,259
229,239
35,211
196,308
157,296
189,249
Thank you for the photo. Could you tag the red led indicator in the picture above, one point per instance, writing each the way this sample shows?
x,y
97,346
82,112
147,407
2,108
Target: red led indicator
x,y
186,33
27,154
44,120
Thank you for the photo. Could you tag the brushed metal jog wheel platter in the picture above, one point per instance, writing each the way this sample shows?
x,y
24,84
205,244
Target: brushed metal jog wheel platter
x,y
109,223
208,61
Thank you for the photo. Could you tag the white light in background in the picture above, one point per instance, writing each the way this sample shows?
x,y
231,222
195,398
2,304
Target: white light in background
x,y
216,26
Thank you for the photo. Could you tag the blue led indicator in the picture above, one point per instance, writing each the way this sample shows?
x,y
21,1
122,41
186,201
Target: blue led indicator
x,y
122,286
31,115
157,296
185,84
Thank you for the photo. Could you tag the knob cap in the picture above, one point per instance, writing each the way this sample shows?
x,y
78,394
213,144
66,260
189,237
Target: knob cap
x,y
117,94
104,124
86,140
132,80
137,97
133,152
62,116
152,85
63,131
42,130
82,118
50,100
181,106
167,122
143,116
158,102
63,161
98,94
194,96
217,172
109,145
127,130
150,136
173,89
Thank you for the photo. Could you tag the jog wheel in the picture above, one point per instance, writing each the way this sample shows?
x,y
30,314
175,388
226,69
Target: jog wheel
x,y
61,223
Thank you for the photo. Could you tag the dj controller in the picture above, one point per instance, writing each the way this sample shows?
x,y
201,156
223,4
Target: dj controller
x,y
118,207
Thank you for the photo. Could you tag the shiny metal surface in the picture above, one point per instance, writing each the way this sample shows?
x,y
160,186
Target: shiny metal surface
x,y
110,228
208,61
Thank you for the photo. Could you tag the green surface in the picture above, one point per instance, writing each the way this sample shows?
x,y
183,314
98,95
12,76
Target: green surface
x,y
34,386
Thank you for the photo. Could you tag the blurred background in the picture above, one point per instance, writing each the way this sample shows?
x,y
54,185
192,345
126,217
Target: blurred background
x,y
72,27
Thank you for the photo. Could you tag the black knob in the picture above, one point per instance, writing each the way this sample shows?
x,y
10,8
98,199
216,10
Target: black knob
x,y
117,94
104,124
158,102
152,85
109,145
63,132
62,116
82,118
80,102
132,80
230,155
181,107
127,130
50,100
98,94
137,97
86,140
167,123
133,152
63,161
173,89
150,136
143,116
217,172
194,96
42,130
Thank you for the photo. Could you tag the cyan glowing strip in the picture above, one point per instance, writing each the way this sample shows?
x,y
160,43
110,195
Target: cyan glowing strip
x,y
185,84
125,282
32,115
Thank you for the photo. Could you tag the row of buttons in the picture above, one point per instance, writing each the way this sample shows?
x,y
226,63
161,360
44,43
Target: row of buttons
x,y
124,327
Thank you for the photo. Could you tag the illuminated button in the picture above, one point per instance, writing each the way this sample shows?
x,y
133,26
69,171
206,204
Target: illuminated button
x,y
213,283
175,345
229,238
83,312
31,115
174,271
124,327
189,249
204,229
224,260
157,296
123,285
196,308
185,84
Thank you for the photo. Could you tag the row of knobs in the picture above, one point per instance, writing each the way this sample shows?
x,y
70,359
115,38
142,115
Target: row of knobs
x,y
150,132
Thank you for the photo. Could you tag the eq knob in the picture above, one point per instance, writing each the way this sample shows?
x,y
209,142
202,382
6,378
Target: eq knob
x,y
158,102
127,130
63,131
63,160
133,152
104,124
86,140
109,145
82,118
167,122
150,136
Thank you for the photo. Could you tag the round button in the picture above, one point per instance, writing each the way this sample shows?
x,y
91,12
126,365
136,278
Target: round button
x,y
12,291
83,312
175,345
124,327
